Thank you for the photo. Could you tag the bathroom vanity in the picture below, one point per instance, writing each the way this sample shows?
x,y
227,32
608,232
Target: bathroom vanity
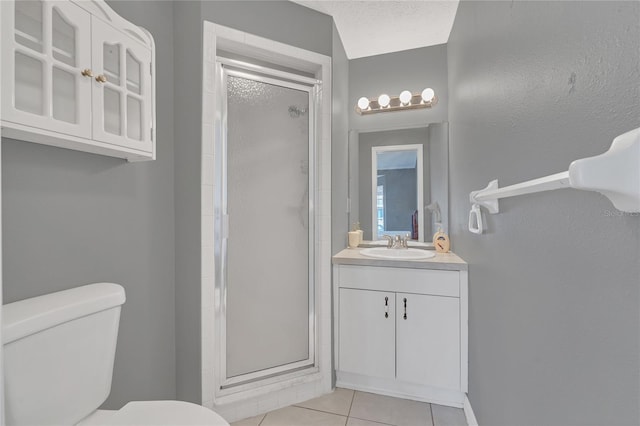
x,y
401,326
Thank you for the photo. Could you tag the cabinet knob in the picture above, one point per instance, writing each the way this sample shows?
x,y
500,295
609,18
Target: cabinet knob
x,y
405,309
86,72
386,307
101,78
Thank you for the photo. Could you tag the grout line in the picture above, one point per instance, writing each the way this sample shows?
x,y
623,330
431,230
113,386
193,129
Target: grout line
x,y
324,412
433,421
316,409
264,416
371,421
353,396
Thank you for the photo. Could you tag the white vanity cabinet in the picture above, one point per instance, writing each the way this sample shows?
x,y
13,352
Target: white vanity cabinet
x,y
402,331
428,340
367,327
77,75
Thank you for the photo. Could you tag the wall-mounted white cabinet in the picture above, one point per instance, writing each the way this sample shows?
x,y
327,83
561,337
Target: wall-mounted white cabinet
x,y
402,332
77,75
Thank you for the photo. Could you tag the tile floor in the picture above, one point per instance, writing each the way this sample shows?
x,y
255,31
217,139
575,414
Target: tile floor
x,y
344,407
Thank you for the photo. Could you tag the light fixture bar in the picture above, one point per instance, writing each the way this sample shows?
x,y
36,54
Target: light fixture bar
x,y
396,104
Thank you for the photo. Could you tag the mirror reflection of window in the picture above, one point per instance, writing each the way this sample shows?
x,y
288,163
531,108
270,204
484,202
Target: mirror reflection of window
x,y
380,206
397,189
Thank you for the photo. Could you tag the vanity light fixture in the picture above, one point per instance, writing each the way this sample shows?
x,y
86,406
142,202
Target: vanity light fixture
x,y
384,100
428,95
363,103
407,100
405,97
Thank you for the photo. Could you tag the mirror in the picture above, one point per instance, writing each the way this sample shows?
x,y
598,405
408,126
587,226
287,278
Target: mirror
x,y
399,181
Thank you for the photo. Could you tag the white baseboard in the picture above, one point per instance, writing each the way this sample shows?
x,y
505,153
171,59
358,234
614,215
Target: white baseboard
x,y
400,389
468,412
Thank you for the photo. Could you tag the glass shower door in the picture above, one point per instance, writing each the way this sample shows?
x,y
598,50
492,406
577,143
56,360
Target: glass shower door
x,y
266,266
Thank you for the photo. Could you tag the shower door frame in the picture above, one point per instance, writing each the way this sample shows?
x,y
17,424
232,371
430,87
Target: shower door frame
x,y
225,68
243,401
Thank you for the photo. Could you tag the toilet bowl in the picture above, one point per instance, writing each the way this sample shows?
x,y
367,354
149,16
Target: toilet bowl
x,y
155,413
58,353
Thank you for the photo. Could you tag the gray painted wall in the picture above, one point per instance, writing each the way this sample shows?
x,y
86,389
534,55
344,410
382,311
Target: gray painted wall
x,y
339,145
188,112
339,151
554,300
282,21
439,171
72,218
278,20
392,73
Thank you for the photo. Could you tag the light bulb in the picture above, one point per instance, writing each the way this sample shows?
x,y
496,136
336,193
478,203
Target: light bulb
x,y
428,94
363,103
405,97
384,100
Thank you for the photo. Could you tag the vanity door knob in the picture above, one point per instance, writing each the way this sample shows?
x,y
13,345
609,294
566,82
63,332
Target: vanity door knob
x,y
101,78
86,72
405,308
386,307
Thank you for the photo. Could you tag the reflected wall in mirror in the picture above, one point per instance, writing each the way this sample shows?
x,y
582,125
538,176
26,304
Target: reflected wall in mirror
x,y
397,188
432,210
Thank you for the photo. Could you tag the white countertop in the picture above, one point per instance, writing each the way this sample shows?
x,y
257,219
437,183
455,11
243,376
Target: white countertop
x,y
444,261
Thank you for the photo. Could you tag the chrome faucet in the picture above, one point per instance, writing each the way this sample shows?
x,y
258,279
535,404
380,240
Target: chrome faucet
x,y
397,242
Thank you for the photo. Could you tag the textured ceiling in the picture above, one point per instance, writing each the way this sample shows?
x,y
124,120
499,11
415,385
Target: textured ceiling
x,y
374,27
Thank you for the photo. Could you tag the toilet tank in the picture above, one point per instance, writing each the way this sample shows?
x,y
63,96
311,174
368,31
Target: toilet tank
x,y
58,354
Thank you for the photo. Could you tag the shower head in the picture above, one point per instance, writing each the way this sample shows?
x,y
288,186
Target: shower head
x,y
296,112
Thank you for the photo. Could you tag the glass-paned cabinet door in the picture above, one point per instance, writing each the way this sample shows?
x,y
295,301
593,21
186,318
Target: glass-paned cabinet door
x,y
122,99
46,66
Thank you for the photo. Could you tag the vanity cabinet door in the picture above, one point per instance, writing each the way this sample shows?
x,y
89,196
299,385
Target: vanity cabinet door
x,y
46,48
428,340
367,331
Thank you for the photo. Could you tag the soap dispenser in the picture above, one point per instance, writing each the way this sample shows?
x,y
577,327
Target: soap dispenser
x,y
355,235
441,241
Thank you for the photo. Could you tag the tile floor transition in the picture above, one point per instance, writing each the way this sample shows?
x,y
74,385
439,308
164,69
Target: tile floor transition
x,y
344,407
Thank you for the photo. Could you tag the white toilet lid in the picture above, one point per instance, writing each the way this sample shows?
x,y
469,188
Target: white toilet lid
x,y
165,413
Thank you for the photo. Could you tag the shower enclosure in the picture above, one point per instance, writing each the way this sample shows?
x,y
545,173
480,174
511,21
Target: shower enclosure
x,y
264,224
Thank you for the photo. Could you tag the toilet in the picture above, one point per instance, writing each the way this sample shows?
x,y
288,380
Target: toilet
x,y
58,356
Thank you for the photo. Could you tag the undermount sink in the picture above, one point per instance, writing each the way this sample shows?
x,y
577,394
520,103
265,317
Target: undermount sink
x,y
397,254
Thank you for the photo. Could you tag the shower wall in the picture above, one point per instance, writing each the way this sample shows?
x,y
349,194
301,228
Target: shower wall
x,y
267,275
